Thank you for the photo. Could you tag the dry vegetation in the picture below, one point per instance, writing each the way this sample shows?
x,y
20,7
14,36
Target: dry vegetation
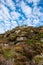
x,y
22,46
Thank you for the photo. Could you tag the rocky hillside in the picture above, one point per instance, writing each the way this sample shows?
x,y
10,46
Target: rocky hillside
x,y
22,46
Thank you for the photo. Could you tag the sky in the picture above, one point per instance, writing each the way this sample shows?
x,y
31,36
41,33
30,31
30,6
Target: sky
x,y
20,12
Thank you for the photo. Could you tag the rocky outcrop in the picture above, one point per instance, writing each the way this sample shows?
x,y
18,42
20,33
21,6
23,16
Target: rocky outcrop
x,y
22,46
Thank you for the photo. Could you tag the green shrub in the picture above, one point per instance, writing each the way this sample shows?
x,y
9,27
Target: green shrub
x,y
41,35
7,54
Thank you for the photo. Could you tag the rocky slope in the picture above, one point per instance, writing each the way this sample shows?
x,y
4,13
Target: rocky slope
x,y
22,46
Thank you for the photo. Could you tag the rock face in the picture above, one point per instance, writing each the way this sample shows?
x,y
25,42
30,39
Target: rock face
x,y
22,46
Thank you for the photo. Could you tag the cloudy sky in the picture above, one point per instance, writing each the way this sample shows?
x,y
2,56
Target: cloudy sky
x,y
20,12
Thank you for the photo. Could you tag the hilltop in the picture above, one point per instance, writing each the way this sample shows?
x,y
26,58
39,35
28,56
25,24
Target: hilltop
x,y
22,46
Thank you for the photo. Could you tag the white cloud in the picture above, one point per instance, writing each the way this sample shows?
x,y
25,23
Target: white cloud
x,y
14,15
33,15
35,2
36,11
10,25
1,31
2,28
9,3
26,9
29,1
41,17
4,12
28,22
35,21
14,24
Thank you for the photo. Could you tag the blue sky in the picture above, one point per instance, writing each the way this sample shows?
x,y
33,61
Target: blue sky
x,y
20,12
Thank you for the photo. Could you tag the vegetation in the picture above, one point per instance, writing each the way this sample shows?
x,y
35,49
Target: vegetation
x,y
22,46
